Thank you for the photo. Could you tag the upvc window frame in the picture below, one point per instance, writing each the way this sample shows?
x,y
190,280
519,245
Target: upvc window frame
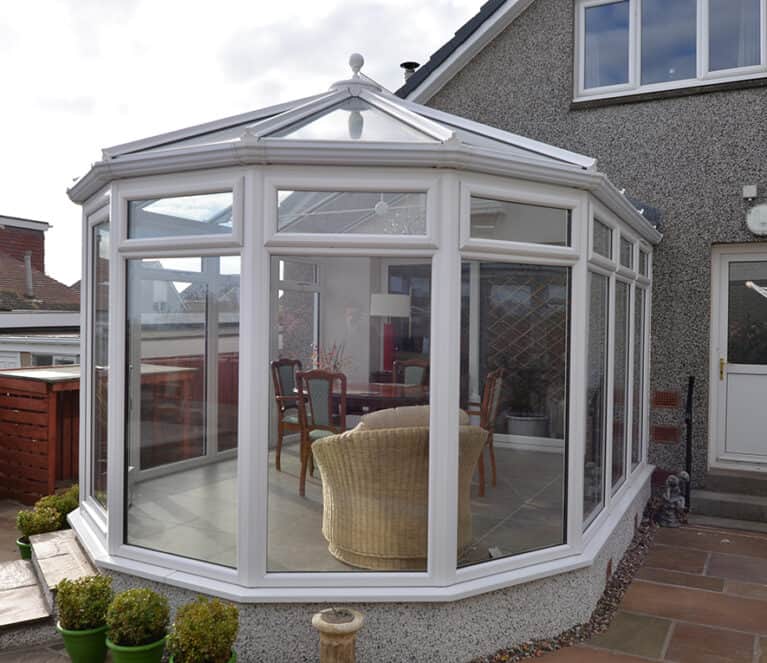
x,y
350,180
704,76
229,180
95,213
614,271
450,206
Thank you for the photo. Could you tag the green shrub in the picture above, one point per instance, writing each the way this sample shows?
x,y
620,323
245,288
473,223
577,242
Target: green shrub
x,y
204,631
64,502
137,617
37,521
83,603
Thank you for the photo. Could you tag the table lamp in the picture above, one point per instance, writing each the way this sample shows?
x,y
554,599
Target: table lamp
x,y
386,305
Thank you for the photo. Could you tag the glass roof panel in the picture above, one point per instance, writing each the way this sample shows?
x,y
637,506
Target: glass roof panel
x,y
353,120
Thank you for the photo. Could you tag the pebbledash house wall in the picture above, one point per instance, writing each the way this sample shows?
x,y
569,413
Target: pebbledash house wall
x,y
688,155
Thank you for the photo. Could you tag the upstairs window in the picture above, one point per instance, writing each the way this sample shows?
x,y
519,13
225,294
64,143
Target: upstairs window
x,y
629,46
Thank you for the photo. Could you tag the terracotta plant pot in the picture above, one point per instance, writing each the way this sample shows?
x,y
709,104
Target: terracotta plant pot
x,y
89,646
25,549
232,658
151,653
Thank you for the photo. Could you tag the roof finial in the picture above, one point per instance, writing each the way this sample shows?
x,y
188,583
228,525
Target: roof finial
x,y
356,62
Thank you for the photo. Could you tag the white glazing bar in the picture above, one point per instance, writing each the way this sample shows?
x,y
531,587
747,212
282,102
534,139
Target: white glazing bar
x,y
253,413
116,378
444,390
474,294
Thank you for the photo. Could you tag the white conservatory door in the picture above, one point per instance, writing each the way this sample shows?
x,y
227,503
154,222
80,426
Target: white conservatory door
x,y
739,359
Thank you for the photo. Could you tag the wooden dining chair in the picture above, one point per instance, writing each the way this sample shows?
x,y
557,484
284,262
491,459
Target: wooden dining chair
x,y
411,371
321,412
284,380
488,412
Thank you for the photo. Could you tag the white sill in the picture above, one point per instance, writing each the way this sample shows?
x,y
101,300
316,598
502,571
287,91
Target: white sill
x,y
94,546
667,87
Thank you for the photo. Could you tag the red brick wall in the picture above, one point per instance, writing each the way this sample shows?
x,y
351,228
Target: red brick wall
x,y
16,241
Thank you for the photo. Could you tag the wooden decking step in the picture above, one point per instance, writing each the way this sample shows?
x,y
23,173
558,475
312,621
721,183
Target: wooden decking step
x,y
58,555
21,599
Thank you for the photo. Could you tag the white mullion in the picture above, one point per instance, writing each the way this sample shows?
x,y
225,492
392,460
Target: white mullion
x,y
211,267
609,404
116,502
86,439
763,33
635,44
444,444
629,395
474,336
254,396
578,383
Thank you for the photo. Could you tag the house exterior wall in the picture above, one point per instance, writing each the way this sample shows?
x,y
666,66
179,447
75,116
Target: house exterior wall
x,y
15,242
688,156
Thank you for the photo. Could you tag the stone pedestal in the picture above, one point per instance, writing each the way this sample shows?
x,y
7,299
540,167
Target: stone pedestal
x,y
338,632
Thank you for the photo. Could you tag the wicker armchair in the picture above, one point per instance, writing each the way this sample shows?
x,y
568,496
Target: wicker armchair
x,y
375,489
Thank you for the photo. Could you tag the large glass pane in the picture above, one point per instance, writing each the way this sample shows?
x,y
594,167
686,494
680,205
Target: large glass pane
x,y
351,212
596,396
181,216
100,359
181,429
603,239
514,367
606,56
620,382
638,390
517,222
734,34
747,313
669,34
347,348
353,120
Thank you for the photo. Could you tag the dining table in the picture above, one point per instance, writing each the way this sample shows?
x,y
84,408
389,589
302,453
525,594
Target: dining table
x,y
364,397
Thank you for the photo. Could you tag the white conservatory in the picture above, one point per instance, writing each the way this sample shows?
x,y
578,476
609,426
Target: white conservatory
x,y
355,348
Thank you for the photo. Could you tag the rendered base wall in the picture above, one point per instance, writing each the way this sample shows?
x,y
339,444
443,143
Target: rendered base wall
x,y
447,632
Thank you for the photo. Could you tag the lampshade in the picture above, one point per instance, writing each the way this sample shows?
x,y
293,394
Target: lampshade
x,y
390,306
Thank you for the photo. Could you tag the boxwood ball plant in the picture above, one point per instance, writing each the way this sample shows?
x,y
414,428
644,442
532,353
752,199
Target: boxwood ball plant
x,y
83,603
37,521
204,631
137,617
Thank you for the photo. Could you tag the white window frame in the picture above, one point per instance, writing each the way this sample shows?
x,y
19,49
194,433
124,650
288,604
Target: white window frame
x,y
703,75
186,184
448,217
342,180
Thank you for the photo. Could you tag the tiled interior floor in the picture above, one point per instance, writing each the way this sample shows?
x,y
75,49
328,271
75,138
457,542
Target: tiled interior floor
x,y
193,512
701,597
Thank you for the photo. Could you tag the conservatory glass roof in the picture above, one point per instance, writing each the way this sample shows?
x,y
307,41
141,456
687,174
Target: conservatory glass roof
x,y
356,110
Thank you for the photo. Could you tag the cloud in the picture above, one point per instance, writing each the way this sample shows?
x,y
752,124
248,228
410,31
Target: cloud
x,y
77,105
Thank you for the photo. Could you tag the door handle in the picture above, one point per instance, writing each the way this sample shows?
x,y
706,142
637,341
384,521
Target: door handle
x,y
722,364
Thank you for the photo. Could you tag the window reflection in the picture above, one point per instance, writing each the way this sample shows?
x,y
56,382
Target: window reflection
x,y
519,222
514,340
100,359
669,33
734,34
182,403
349,441
620,383
607,44
596,397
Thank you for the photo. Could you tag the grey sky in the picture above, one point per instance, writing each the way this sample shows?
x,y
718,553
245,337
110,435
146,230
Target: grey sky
x,y
80,75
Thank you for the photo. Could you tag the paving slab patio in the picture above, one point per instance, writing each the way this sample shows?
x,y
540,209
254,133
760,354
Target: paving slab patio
x,y
700,597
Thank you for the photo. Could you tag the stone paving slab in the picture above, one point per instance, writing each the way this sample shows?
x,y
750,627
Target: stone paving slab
x,y
22,604
17,573
639,635
715,540
691,643
675,558
58,555
679,578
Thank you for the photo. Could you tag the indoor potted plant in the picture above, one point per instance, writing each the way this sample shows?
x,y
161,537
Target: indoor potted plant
x,y
35,521
82,606
204,631
528,416
137,623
